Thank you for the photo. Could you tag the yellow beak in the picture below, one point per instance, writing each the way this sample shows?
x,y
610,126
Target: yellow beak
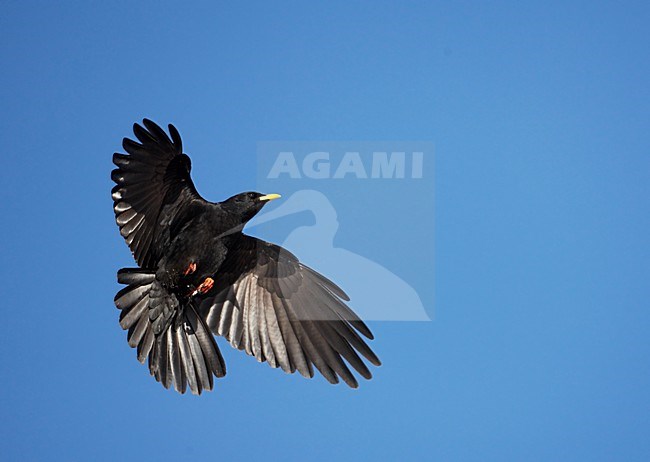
x,y
270,197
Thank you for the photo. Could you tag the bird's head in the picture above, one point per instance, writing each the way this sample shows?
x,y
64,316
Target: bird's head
x,y
247,204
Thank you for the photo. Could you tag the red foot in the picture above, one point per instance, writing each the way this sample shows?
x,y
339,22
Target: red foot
x,y
190,269
204,287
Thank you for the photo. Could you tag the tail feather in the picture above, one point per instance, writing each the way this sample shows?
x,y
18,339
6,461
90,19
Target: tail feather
x,y
177,341
130,317
144,348
207,343
188,365
134,276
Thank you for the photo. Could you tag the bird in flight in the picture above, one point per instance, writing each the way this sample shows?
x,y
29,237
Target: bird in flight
x,y
198,274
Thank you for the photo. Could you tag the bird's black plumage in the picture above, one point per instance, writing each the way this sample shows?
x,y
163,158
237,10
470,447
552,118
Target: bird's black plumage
x,y
200,275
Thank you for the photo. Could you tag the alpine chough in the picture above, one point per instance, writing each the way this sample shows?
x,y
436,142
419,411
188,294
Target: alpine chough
x,y
198,274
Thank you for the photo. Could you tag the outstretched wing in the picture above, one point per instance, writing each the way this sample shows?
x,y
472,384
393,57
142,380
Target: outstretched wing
x,y
154,190
283,312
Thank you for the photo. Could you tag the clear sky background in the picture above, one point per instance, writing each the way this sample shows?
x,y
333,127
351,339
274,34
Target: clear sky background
x,y
540,118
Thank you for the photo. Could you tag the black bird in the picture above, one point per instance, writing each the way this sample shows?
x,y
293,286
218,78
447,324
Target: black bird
x,y
200,275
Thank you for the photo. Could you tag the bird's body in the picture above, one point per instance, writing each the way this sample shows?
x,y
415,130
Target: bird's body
x,y
202,230
199,274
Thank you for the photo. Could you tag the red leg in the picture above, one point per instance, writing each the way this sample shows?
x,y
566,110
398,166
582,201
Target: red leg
x,y
190,269
204,287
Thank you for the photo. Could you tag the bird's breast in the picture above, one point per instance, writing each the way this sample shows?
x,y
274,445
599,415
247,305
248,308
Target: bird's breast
x,y
191,258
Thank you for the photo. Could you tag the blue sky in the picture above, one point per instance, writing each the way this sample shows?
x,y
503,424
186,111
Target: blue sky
x,y
539,114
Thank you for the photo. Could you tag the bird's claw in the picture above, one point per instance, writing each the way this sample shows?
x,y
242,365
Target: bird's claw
x,y
204,287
